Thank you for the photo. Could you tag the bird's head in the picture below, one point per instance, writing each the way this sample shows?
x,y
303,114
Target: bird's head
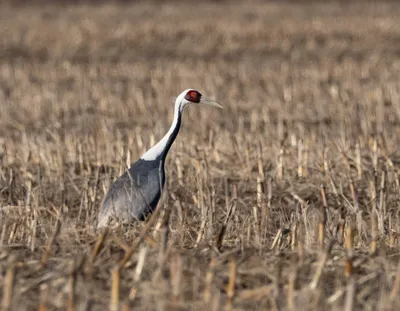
x,y
191,96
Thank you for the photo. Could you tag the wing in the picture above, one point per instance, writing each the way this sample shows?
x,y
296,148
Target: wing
x,y
133,196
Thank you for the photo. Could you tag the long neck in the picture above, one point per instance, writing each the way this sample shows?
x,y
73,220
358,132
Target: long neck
x,y
161,149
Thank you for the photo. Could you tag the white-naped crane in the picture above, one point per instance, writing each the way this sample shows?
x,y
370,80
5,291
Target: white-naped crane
x,y
135,194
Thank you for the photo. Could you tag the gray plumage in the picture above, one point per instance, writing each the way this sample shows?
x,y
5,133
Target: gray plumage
x,y
134,195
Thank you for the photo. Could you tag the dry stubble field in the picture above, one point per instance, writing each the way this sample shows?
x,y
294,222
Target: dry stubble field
x,y
288,199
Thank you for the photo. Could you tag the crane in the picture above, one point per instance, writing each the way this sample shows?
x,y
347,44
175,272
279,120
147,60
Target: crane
x,y
136,193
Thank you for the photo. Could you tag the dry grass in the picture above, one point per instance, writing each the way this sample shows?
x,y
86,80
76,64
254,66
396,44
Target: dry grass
x,y
288,199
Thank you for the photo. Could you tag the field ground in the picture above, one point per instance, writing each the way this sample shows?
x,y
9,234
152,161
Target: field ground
x,y
287,199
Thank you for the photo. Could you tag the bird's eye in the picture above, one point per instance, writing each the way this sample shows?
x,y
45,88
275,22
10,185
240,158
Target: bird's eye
x,y
193,96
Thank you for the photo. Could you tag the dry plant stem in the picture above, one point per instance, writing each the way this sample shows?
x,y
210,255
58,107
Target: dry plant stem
x,y
278,284
176,278
358,161
300,242
125,307
260,192
115,286
204,210
391,236
325,161
372,189
42,307
300,158
350,287
99,243
137,276
341,227
231,284
211,213
95,251
321,230
230,213
375,154
139,240
305,160
179,170
255,294
317,297
50,243
12,233
269,198
294,236
256,210
42,298
396,286
322,224
304,225
33,223
259,160
71,287
345,159
374,220
3,232
291,288
164,232
374,233
381,205
165,227
8,286
140,263
115,238
209,280
357,211
321,264
354,196
266,210
276,239
280,167
349,250
202,227
350,294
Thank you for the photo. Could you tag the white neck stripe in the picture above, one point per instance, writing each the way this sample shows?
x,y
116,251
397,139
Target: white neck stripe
x,y
154,152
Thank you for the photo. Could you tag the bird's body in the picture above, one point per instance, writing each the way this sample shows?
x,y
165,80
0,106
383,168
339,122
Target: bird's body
x,y
135,194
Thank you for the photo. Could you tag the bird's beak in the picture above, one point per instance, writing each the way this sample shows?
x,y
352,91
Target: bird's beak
x,y
207,101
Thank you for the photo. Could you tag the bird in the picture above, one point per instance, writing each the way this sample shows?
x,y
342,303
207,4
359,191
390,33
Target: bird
x,y
136,193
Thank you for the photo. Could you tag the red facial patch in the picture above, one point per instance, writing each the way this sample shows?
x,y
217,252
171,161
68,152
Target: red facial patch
x,y
193,96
